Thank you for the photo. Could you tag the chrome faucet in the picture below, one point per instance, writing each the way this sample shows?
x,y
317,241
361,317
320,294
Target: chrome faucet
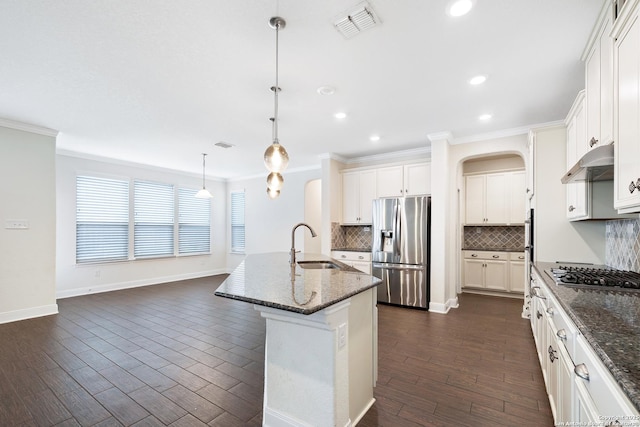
x,y
292,257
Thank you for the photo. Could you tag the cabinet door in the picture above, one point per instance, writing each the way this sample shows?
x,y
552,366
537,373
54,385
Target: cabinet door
x,y
627,92
517,196
390,182
577,191
564,402
592,83
474,273
516,276
496,207
417,179
350,197
475,199
363,266
606,83
495,275
367,195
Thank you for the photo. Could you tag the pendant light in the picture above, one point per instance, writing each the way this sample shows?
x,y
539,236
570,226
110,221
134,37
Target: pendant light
x,y
204,193
276,158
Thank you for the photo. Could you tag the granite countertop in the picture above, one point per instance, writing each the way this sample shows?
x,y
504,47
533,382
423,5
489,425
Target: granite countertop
x,y
494,249
268,279
610,322
352,249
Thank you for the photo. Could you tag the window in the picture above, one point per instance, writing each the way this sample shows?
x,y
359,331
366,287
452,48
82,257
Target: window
x,y
237,221
153,219
102,219
194,223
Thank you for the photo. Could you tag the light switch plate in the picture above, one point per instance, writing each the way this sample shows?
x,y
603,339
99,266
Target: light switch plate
x,y
16,224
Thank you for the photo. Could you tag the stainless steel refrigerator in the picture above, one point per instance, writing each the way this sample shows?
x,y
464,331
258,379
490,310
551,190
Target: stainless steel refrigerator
x,y
401,249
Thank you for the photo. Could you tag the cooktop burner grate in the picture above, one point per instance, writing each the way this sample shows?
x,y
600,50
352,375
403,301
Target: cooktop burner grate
x,y
567,275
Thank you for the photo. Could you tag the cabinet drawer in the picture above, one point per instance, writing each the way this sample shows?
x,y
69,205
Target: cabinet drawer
x,y
351,256
489,255
516,256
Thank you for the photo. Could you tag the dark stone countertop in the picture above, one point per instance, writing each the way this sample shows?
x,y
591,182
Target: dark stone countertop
x,y
610,322
352,249
268,279
494,249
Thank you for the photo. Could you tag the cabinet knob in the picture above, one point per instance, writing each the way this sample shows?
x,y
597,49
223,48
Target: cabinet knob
x,y
562,334
634,186
550,311
572,208
520,257
360,257
496,256
474,255
593,141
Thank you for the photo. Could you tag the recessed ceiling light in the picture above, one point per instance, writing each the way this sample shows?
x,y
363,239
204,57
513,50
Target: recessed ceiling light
x,y
459,7
477,80
326,90
340,115
374,138
484,117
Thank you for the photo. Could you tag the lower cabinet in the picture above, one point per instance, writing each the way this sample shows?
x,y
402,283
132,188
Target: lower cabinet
x,y
359,260
494,271
581,389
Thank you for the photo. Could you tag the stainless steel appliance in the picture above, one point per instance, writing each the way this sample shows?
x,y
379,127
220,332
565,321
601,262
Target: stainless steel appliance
x,y
400,250
594,277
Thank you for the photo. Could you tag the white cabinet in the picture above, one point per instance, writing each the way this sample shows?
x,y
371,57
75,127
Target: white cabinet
x,y
359,260
599,84
486,270
627,110
404,180
495,198
358,193
517,275
576,147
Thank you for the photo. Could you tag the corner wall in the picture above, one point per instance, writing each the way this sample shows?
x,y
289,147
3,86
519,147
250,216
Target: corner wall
x,y
27,256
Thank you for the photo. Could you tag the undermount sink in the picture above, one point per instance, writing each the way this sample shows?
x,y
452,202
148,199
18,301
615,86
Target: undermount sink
x,y
318,265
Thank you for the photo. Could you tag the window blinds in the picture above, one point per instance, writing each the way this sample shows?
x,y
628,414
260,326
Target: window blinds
x,y
237,222
194,222
153,219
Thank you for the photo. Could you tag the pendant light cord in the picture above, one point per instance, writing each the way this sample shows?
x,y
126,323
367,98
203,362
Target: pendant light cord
x,y
275,91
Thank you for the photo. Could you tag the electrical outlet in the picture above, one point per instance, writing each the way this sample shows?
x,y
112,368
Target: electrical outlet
x,y
478,230
16,224
342,335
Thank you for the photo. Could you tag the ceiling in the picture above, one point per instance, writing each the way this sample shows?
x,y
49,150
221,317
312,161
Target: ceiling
x,y
160,82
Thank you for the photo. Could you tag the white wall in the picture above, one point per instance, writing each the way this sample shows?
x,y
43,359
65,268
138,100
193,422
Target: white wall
x,y
27,257
557,239
268,222
75,279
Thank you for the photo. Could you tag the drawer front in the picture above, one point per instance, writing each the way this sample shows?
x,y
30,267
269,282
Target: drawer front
x,y
489,255
516,256
351,256
565,330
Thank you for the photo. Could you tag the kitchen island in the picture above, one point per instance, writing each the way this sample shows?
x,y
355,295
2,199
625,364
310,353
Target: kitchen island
x,y
321,336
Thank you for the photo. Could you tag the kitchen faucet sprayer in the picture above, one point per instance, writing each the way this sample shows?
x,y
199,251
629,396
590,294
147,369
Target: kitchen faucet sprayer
x,y
292,258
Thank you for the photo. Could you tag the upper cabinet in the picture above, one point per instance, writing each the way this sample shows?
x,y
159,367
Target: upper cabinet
x,y
626,33
599,84
495,198
576,129
358,193
404,180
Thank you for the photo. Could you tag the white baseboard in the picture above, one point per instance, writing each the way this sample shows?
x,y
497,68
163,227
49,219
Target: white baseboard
x,y
28,313
443,308
135,283
272,418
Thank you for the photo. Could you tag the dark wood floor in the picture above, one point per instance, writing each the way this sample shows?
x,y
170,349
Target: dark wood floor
x,y
174,354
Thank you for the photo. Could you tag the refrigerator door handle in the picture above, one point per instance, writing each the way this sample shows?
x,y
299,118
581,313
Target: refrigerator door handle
x,y
397,266
397,231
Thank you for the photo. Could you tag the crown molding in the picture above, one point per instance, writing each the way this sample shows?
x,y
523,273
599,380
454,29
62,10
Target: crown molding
x,y
523,130
27,127
422,151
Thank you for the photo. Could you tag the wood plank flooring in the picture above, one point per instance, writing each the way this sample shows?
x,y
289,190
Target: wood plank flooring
x,y
174,354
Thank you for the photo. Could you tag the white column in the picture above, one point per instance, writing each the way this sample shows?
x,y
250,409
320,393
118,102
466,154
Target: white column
x,y
306,367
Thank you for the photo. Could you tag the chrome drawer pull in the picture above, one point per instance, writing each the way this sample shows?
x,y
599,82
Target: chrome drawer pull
x,y
582,371
534,292
562,334
496,256
538,314
550,311
572,208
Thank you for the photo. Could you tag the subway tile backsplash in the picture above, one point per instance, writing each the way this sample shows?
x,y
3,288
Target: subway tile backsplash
x,y
509,238
622,250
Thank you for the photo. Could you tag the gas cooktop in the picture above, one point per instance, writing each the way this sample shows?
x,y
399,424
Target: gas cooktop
x,y
594,277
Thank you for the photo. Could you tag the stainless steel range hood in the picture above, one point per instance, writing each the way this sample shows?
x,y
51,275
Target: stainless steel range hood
x,y
595,165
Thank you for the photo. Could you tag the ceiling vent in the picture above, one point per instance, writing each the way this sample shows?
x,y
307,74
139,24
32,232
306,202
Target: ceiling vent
x,y
359,19
223,144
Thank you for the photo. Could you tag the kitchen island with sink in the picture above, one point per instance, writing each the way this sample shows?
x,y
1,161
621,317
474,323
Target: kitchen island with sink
x,y
321,336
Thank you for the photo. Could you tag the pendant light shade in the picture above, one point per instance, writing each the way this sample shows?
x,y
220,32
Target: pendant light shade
x,y
275,181
203,193
276,158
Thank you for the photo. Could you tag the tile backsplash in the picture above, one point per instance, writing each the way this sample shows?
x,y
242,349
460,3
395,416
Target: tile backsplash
x,y
494,237
350,237
622,250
